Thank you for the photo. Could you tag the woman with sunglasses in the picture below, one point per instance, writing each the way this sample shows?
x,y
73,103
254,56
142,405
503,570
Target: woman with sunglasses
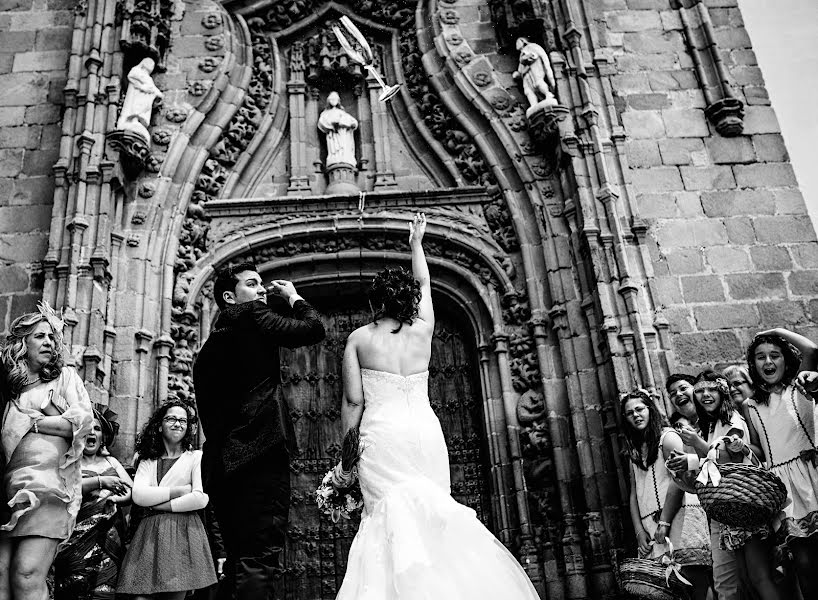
x,y
169,553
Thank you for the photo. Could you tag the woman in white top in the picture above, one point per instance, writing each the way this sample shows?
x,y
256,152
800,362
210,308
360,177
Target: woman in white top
x,y
169,553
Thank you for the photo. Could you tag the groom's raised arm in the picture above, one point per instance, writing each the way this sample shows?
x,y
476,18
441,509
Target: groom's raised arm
x,y
303,328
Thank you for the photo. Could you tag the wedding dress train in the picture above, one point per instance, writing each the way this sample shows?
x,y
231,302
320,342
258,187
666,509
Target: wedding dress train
x,y
415,541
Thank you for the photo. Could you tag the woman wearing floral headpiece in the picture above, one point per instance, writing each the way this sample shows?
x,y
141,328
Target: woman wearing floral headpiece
x,y
87,565
43,436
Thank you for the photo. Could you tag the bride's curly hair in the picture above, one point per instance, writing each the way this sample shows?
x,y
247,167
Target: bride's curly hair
x,y
396,294
13,353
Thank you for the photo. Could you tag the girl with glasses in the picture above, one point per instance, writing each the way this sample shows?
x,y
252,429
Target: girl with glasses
x,y
169,553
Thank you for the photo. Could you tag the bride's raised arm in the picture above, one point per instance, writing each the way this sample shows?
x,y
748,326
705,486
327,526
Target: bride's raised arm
x,y
352,404
420,270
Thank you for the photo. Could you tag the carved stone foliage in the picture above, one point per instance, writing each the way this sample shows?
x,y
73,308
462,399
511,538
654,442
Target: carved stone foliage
x,y
133,151
145,28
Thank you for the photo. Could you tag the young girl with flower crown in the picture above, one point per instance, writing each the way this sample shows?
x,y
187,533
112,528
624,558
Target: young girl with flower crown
x,y
660,510
780,417
723,425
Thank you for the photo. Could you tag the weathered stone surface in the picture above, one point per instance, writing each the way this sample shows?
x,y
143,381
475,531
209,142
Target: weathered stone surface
x,y
685,123
726,259
804,283
46,60
25,137
672,80
680,151
643,124
669,290
726,316
708,348
740,230
654,101
707,178
657,179
643,153
13,279
770,258
774,313
728,203
782,229
765,175
770,148
730,150
22,89
685,261
805,255
11,162
760,119
703,288
691,232
789,201
748,286
23,219
634,21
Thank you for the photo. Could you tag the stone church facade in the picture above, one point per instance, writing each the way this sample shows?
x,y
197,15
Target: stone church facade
x,y
649,222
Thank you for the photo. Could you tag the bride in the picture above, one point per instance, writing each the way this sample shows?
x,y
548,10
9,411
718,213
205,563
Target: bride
x,y
415,542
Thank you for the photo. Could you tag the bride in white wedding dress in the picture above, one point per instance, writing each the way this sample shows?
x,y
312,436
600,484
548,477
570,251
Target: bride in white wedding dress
x,y
415,541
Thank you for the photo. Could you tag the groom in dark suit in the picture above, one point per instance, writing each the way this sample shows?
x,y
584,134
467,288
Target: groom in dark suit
x,y
249,436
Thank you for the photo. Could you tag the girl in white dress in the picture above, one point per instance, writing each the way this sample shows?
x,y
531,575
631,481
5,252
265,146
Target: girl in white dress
x,y
781,423
659,509
415,542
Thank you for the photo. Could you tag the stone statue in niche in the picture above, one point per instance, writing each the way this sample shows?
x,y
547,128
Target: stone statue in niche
x,y
339,127
139,99
534,70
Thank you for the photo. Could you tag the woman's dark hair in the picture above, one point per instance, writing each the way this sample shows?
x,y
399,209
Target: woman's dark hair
x,y
652,433
675,418
792,364
396,294
707,423
149,444
109,426
226,280
675,377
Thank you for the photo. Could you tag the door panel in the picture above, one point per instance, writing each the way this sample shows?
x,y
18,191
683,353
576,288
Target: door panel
x,y
316,551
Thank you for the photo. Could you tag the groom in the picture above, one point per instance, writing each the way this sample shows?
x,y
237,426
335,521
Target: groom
x,y
247,426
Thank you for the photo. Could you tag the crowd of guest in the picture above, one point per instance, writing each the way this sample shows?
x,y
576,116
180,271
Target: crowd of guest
x,y
65,497
761,413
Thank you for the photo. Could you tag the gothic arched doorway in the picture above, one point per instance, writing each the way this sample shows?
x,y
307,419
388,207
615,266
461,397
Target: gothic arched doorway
x,y
316,552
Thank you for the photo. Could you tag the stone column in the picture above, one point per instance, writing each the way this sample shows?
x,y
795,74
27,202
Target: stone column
x,y
296,92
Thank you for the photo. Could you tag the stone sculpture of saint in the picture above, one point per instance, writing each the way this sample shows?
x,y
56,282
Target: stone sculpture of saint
x,y
136,110
534,69
339,127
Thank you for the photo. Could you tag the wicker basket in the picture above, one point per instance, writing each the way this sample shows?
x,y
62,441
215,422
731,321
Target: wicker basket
x,y
644,579
745,497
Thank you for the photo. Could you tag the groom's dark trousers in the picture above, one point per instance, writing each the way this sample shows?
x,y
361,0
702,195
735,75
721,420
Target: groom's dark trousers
x,y
249,437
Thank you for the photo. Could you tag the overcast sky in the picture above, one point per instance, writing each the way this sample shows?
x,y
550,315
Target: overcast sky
x,y
785,38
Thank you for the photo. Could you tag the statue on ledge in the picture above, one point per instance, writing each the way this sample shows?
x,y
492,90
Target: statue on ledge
x,y
534,69
139,99
339,127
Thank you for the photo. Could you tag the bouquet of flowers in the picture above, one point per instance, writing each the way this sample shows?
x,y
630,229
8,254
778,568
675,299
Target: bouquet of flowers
x,y
339,494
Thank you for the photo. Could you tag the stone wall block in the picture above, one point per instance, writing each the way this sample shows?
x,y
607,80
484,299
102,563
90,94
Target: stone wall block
x,y
773,314
644,124
675,79
789,201
726,316
685,261
669,290
691,232
804,283
760,119
46,60
733,37
643,153
756,96
770,258
749,286
703,288
805,255
731,150
726,259
728,203
783,229
707,178
11,162
634,21
657,179
765,175
13,279
770,148
23,89
685,123
680,151
740,231
656,206
708,348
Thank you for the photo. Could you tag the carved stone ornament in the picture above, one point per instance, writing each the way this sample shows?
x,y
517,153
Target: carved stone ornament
x,y
548,127
132,148
214,42
198,87
727,116
145,28
209,64
449,17
481,78
139,100
176,114
211,20
512,18
161,137
535,73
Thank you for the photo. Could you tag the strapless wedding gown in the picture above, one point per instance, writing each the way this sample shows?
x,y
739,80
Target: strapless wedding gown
x,y
415,541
